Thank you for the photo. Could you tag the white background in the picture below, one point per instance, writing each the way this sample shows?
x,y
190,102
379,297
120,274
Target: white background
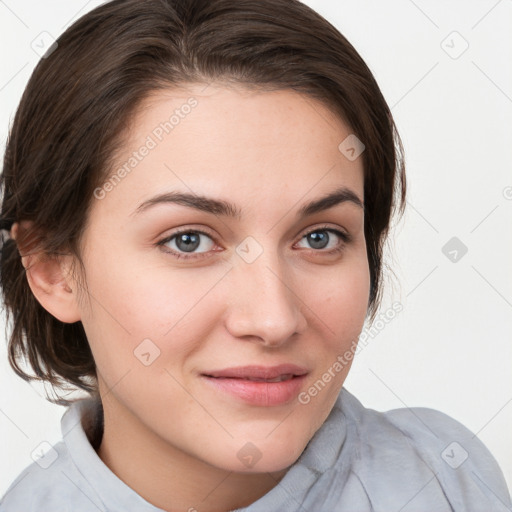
x,y
451,346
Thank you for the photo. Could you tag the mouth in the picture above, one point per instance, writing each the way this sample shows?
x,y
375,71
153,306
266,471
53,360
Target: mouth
x,y
277,373
279,378
259,385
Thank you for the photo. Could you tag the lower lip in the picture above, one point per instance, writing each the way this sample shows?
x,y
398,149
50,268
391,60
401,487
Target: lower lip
x,y
264,394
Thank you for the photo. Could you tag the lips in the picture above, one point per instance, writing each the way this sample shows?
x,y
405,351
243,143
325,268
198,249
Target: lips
x,y
259,385
260,373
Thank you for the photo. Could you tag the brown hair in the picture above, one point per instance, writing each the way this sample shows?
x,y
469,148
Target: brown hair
x,y
82,95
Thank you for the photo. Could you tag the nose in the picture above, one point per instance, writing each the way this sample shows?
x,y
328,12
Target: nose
x,y
265,306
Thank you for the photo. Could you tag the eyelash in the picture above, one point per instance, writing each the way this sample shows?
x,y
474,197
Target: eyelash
x,y
345,239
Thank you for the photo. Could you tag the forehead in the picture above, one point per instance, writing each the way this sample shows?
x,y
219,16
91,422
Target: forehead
x,y
220,140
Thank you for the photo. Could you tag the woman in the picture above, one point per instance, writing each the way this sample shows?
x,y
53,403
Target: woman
x,y
198,194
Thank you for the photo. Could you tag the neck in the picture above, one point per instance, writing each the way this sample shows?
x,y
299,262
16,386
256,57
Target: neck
x,y
168,477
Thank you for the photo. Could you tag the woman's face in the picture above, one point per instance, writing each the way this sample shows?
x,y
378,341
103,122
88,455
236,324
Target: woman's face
x,y
221,343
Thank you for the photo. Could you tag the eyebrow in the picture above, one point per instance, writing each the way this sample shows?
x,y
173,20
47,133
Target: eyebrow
x,y
227,209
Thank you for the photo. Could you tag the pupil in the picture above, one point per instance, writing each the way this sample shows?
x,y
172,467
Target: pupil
x,y
318,239
187,242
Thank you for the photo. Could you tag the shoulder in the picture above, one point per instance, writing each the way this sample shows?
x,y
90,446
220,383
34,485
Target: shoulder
x,y
446,442
50,483
426,450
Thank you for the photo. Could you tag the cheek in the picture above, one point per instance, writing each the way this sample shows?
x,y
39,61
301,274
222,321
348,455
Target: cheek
x,y
132,302
339,302
338,299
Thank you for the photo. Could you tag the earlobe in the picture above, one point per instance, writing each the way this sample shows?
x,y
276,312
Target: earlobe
x,y
48,278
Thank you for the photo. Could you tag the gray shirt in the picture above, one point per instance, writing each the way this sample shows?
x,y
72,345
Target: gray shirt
x,y
410,459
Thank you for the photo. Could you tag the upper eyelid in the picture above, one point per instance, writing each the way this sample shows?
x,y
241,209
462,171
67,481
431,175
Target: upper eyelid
x,y
187,230
338,229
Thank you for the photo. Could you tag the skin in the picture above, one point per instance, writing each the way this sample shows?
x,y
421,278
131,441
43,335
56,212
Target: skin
x,y
168,435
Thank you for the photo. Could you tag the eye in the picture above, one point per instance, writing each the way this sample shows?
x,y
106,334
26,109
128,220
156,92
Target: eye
x,y
325,238
185,243
193,243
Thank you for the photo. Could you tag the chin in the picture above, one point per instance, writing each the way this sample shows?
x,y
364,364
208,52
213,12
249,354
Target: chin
x,y
261,456
268,464
279,462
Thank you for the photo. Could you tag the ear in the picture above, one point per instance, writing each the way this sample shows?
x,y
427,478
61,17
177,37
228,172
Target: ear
x,y
48,276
